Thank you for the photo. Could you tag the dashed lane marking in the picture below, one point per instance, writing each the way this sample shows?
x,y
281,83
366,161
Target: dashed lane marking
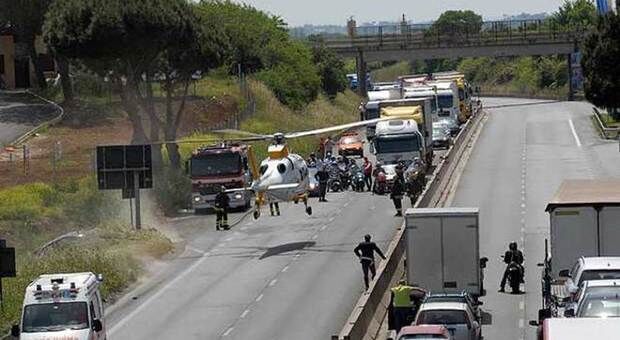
x,y
572,128
244,314
228,331
260,297
273,282
285,269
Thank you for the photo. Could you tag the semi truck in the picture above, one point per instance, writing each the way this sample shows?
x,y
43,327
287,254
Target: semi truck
x,y
442,250
447,99
409,135
215,166
464,90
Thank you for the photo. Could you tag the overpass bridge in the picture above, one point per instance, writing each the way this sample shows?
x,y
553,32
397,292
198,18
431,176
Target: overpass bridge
x,y
424,42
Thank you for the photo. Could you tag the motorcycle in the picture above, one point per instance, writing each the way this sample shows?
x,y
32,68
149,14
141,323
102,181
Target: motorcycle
x,y
345,178
380,185
358,181
334,182
515,277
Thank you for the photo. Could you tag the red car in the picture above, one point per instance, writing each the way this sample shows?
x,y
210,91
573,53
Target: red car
x,y
351,144
424,332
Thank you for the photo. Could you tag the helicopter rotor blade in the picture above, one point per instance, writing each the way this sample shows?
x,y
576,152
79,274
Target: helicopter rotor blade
x,y
335,128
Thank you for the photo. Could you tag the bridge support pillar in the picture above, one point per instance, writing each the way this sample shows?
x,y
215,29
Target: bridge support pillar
x,y
571,89
362,70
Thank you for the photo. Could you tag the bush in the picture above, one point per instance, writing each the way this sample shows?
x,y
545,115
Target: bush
x,y
173,190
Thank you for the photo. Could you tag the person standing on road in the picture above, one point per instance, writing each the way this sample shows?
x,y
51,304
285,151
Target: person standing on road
x,y
365,251
322,176
398,188
368,173
222,202
405,300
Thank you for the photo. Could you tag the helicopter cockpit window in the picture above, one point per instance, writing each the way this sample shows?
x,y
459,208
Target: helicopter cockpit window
x,y
263,169
281,168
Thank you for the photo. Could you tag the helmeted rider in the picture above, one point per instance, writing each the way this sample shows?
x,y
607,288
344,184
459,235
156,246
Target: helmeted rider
x,y
513,254
312,160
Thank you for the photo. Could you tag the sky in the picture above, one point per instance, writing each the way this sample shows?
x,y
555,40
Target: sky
x,y
300,12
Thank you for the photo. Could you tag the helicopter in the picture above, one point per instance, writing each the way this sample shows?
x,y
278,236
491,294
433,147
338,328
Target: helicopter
x,y
283,176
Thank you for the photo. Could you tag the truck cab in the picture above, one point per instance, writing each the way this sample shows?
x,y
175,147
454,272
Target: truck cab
x,y
212,167
397,140
447,99
62,306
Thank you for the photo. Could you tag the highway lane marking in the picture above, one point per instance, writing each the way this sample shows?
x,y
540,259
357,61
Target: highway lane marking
x,y
244,314
521,323
228,331
315,236
285,269
572,128
273,282
323,227
229,239
521,305
260,297
196,250
332,219
157,294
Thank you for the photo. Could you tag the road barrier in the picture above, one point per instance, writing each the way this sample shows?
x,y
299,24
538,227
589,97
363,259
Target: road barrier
x,y
607,132
370,311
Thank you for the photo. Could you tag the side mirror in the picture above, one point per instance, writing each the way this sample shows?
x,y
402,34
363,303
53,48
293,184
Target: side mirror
x,y
97,326
569,313
534,323
15,331
564,273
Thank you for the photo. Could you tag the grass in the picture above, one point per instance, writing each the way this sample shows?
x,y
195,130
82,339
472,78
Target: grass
x,y
557,93
391,73
33,214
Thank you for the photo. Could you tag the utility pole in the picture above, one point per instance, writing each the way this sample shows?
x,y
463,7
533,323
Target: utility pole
x,y
136,188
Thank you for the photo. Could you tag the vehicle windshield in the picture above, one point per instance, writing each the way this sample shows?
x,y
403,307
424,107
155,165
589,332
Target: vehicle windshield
x,y
409,143
216,164
599,305
442,317
54,317
350,140
439,131
446,101
372,113
591,275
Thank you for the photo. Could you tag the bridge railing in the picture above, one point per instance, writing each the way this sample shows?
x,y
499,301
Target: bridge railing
x,y
429,36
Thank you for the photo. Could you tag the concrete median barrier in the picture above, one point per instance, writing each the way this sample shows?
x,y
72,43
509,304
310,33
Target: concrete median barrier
x,y
370,310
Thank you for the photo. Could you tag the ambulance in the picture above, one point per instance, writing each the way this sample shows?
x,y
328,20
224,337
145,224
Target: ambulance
x,y
62,306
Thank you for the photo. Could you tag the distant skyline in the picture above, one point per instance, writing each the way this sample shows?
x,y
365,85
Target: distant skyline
x,y
336,12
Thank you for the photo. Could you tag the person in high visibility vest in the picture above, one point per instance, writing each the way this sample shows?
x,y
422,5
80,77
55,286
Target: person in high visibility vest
x,y
405,300
222,202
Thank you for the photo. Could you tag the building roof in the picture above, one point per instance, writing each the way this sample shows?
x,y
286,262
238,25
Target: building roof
x,y
586,192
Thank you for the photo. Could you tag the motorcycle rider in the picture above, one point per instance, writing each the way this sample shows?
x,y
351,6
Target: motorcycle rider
x,y
368,173
398,188
513,254
366,253
322,176
222,202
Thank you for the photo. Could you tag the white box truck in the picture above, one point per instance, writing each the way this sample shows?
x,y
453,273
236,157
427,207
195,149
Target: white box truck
x,y
442,250
584,221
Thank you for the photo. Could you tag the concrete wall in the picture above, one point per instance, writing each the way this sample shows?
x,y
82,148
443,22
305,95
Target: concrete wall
x,y
7,49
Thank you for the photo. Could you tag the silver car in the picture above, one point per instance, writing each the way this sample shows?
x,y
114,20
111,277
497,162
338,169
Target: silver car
x,y
456,316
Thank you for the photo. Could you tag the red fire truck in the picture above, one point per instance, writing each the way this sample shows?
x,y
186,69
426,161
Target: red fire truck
x,y
212,167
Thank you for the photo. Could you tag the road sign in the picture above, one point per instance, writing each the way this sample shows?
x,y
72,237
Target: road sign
x,y
117,164
7,262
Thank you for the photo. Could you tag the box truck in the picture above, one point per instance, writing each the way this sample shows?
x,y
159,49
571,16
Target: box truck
x,y
442,249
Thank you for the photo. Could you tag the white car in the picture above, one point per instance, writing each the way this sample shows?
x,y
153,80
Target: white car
x,y
596,299
590,268
456,316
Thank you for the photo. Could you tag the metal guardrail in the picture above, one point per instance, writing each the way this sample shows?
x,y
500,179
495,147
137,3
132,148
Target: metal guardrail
x,y
370,310
607,132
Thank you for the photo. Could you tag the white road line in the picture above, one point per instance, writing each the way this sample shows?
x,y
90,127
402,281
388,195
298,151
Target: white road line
x,y
229,239
285,269
260,297
196,250
315,236
273,282
244,314
228,331
346,204
521,323
323,227
572,128
521,305
157,294
332,219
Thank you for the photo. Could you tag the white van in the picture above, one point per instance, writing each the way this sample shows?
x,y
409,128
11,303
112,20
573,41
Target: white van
x,y
62,306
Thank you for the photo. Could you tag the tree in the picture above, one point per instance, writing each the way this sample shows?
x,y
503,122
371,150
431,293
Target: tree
x,y
577,13
331,70
458,23
138,45
26,19
599,62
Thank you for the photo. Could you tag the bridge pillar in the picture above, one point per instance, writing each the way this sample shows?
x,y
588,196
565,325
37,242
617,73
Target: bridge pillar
x,y
362,70
571,90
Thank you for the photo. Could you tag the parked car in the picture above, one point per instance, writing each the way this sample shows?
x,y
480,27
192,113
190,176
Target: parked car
x,y
457,317
441,135
588,269
452,124
351,144
462,297
424,332
596,299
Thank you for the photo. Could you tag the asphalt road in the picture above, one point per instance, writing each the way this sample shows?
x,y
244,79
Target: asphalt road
x,y
20,113
522,155
287,277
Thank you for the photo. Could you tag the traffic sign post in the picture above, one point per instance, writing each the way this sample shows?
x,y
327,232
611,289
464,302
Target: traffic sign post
x,y
7,266
127,168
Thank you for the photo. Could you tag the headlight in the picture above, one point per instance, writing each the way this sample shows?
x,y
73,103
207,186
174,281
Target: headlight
x,y
197,199
238,196
312,186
